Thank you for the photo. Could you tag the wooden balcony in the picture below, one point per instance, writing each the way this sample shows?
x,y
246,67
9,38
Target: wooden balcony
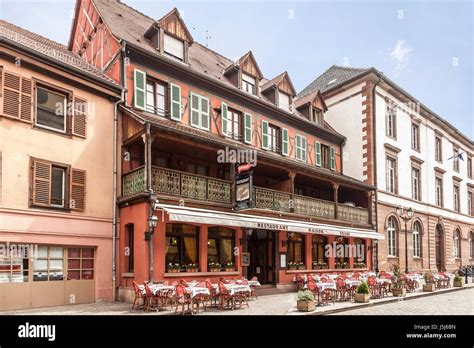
x,y
180,184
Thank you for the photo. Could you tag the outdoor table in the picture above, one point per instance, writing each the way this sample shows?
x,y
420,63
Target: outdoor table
x,y
324,286
384,280
254,283
155,288
414,276
195,290
234,288
352,282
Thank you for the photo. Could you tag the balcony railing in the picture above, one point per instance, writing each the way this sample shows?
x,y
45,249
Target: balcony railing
x,y
186,185
176,183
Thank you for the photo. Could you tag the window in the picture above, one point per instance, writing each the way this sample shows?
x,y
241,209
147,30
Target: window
x,y
197,168
296,247
456,160
456,200
248,84
274,138
51,109
318,116
415,137
438,149
80,263
341,256
360,251
391,175
49,264
439,191
199,111
235,124
130,248
14,265
300,148
471,245
156,97
325,156
284,101
173,47
318,249
469,167
391,120
415,184
182,245
391,236
470,208
220,245
416,239
457,244
50,186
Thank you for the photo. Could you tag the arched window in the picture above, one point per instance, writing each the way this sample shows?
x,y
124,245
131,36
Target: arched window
x,y
457,243
391,236
471,245
417,239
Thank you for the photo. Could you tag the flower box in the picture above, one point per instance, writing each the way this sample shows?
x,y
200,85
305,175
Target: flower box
x,y
305,306
399,292
301,267
292,268
361,298
215,270
428,287
190,270
229,269
172,270
457,283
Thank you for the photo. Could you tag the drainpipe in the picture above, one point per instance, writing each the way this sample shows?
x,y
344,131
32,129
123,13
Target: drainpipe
x,y
374,134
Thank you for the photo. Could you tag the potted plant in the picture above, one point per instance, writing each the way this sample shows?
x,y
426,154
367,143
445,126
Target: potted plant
x,y
292,266
457,281
316,265
345,265
398,282
229,266
305,301
429,285
338,264
301,265
173,268
191,267
323,265
214,266
362,293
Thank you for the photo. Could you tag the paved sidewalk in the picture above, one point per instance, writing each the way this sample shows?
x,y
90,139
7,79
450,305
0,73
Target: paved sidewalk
x,y
452,301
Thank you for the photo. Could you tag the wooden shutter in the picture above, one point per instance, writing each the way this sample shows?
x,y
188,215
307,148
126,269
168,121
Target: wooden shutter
x,y
284,142
77,189
26,100
265,144
225,122
333,159
41,194
303,149
175,102
248,128
79,118
139,89
204,110
318,153
194,113
11,94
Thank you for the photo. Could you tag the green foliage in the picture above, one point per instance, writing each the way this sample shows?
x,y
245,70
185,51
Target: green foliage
x,y
398,281
363,288
428,277
305,295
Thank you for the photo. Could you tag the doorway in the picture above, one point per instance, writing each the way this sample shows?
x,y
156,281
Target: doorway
x,y
261,246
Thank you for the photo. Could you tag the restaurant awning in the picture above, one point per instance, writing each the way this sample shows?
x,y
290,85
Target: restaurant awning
x,y
212,217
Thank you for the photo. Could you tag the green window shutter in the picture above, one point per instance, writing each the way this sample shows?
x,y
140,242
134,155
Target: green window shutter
x,y
194,110
139,87
303,149
225,122
248,128
333,160
205,124
298,146
284,141
265,144
318,153
175,102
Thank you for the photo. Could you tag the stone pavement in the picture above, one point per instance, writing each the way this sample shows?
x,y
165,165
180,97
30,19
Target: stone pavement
x,y
453,301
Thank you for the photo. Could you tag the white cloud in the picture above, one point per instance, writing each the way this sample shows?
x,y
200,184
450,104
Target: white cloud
x,y
401,55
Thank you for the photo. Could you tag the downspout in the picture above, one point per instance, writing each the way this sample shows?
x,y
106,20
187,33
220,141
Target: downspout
x,y
374,134
115,177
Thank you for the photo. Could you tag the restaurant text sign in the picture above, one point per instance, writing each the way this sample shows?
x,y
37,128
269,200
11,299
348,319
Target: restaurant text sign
x,y
243,191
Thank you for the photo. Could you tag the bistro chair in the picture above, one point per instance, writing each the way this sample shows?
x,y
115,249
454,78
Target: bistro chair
x,y
214,296
340,289
311,286
201,299
151,300
299,281
253,293
324,279
373,287
182,298
226,300
184,283
139,297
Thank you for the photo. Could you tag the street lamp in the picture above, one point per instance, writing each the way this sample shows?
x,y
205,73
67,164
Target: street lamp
x,y
406,218
152,223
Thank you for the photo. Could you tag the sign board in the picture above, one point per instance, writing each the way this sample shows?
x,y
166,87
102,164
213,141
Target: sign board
x,y
243,191
282,260
245,259
244,168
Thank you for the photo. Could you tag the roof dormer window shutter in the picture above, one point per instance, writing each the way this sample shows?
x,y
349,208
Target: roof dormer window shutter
x,y
173,46
139,88
265,139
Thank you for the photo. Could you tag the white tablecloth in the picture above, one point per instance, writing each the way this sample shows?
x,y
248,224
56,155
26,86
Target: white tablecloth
x,y
155,288
193,291
414,276
383,280
254,283
234,288
324,286
351,282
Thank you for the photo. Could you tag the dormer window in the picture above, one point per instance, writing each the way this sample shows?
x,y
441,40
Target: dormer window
x,y
248,84
318,116
284,101
173,47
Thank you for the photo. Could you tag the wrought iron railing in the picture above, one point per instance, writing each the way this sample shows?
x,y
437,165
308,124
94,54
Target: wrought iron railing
x,y
353,214
314,207
271,199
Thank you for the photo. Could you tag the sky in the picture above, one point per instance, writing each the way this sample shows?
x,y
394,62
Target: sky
x,y
426,47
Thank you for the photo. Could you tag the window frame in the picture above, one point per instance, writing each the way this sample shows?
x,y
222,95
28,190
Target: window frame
x,y
456,197
391,119
246,83
173,38
456,159
301,149
416,239
291,244
65,172
416,191
390,158
415,136
231,114
457,239
470,203
274,135
438,148
469,166
180,236
218,245
326,148
81,258
48,269
439,198
155,83
200,112
281,94
392,237
67,99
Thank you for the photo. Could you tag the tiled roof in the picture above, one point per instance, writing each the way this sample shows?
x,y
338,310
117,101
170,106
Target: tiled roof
x,y
49,48
334,76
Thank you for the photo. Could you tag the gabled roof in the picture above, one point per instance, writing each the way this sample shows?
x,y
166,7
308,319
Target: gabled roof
x,y
55,51
242,60
161,23
334,76
310,98
277,80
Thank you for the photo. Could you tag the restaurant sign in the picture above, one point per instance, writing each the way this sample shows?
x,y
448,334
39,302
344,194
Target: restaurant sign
x,y
243,191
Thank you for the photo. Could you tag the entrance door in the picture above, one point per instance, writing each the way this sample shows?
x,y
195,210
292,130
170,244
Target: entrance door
x,y
261,249
439,246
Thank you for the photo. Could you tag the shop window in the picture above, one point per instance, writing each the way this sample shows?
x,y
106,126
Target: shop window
x,y
14,266
341,255
49,264
80,263
182,246
296,248
318,251
220,245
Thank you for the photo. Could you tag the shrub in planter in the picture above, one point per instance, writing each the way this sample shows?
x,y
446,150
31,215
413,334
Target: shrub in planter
x,y
301,265
305,301
362,293
398,282
429,285
192,267
457,281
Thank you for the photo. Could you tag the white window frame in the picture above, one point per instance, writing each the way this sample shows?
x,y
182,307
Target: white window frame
x,y
251,81
415,184
416,239
392,237
391,175
299,149
63,188
200,112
